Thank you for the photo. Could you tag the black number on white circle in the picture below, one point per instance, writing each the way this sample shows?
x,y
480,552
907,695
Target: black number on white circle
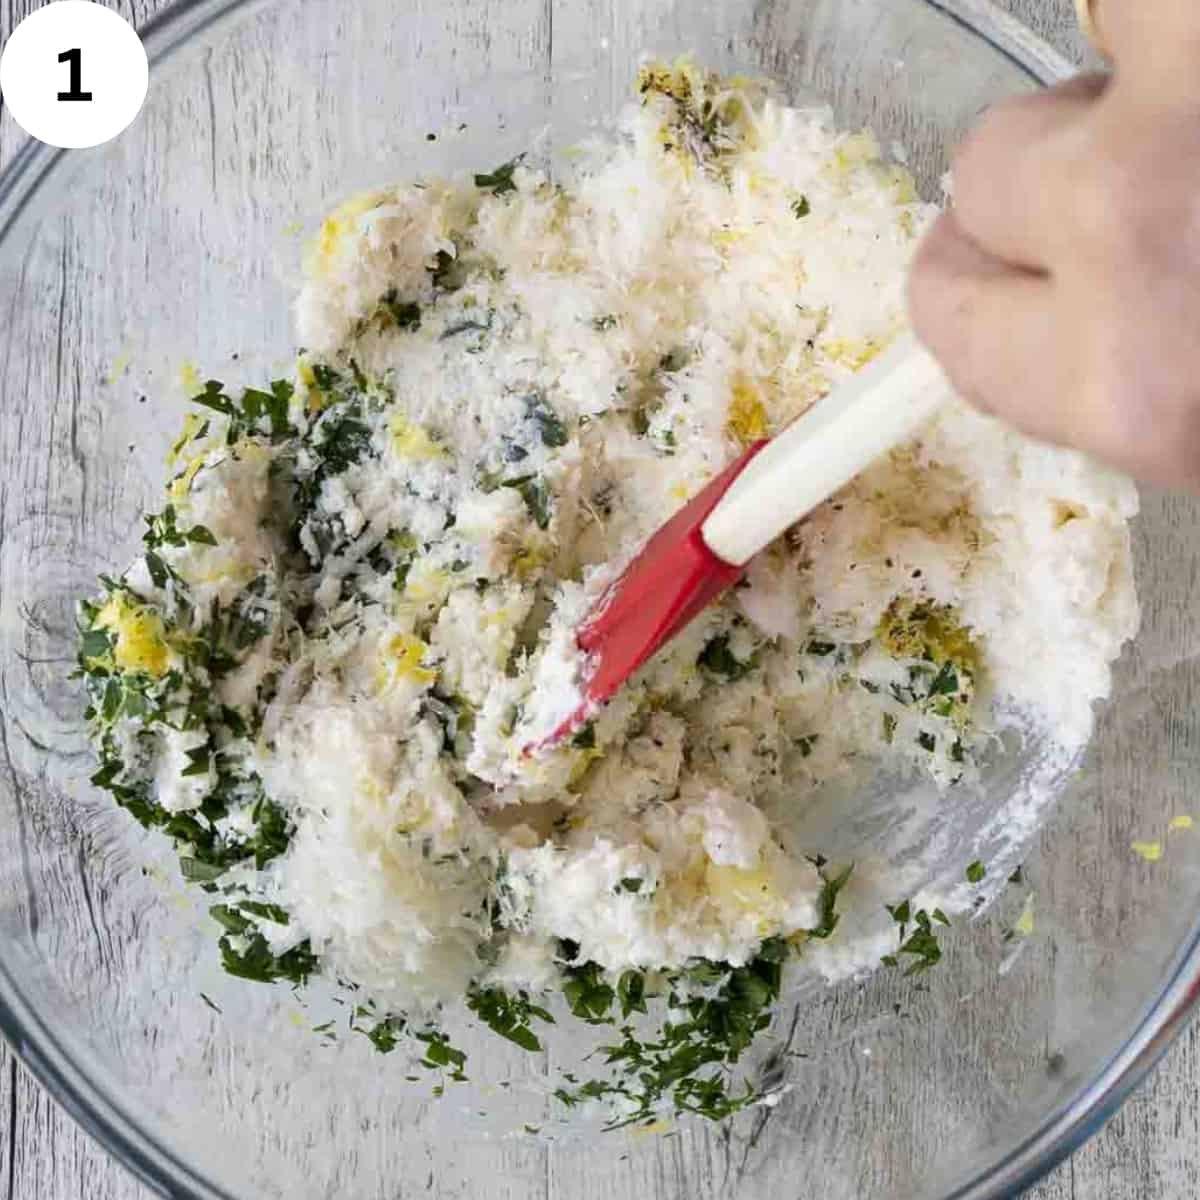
x,y
75,92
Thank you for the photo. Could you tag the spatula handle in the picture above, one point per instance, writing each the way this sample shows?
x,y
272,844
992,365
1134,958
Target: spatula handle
x,y
820,452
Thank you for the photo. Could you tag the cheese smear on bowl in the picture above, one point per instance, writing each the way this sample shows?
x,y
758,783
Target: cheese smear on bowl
x,y
356,608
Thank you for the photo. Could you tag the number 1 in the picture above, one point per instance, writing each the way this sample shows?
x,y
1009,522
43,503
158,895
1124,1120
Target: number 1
x,y
76,92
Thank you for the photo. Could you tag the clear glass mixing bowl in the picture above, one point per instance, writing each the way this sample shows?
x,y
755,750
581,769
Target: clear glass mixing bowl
x,y
176,244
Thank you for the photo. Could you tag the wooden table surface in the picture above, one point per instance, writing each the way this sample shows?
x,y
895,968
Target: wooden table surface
x,y
1151,1148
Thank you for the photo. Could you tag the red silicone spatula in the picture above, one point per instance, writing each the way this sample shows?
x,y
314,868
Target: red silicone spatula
x,y
705,547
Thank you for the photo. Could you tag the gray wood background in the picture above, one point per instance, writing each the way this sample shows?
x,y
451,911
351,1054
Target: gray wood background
x,y
1150,1149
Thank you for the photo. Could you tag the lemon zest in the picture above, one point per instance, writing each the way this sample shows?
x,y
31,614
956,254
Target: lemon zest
x,y
119,366
728,237
189,379
325,245
411,441
582,765
426,583
141,643
182,483
746,419
852,353
854,151
192,424
651,1128
403,656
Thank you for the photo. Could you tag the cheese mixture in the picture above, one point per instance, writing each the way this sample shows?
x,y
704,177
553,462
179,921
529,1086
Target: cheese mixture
x,y
356,607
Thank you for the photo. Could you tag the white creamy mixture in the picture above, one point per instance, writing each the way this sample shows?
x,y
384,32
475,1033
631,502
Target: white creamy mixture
x,y
508,384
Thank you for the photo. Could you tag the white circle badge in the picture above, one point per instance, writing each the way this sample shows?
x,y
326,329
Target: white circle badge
x,y
73,74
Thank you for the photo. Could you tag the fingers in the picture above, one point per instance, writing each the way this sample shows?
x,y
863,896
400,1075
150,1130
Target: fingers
x,y
990,326
1088,12
1012,175
1155,46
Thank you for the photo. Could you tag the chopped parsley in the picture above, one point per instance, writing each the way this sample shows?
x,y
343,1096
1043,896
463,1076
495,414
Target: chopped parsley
x,y
403,314
536,495
551,429
341,438
831,886
920,946
717,658
161,531
588,994
443,273
440,1053
257,412
500,181
631,993
254,961
945,682
509,1016
384,1034
585,738
689,1064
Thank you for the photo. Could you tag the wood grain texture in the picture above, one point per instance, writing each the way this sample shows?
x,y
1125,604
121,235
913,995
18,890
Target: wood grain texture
x,y
1150,1149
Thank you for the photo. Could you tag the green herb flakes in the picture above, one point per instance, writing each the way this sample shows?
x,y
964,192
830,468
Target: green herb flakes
x,y
255,961
552,431
919,949
718,659
500,181
831,886
509,1016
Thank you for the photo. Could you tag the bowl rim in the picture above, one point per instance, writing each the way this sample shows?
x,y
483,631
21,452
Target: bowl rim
x,y
85,1099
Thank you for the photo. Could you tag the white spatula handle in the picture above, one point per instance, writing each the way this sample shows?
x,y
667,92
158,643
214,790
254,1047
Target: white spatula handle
x,y
823,450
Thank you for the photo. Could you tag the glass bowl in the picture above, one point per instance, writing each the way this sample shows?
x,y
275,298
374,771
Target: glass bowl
x,y
176,245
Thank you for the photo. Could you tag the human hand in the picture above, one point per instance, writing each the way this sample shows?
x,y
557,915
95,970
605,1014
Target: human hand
x,y
1062,290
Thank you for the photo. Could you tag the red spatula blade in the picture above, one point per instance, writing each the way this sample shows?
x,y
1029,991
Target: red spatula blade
x,y
673,578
